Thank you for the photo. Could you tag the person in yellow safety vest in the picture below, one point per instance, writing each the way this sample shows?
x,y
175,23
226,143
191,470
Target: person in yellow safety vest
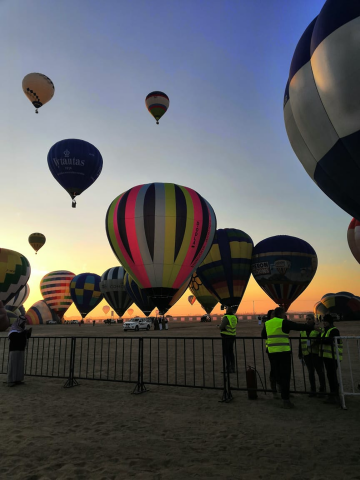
x,y
276,331
228,334
309,353
327,352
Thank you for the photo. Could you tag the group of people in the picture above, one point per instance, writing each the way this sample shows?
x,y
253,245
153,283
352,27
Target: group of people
x,y
316,350
161,323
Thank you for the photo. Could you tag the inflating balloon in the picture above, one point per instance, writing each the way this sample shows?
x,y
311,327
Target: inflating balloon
x,y
85,292
157,103
37,240
138,296
353,237
55,289
226,270
160,232
106,309
192,299
75,164
14,273
283,266
112,286
202,294
322,103
19,298
39,313
342,303
320,309
38,88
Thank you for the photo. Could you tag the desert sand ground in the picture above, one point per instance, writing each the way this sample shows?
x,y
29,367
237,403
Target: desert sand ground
x,y
98,430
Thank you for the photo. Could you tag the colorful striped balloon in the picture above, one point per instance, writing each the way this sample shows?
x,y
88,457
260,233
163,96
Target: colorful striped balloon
x,y
157,103
55,289
37,240
160,232
112,286
226,270
39,313
176,297
14,273
85,292
353,237
342,303
202,294
19,298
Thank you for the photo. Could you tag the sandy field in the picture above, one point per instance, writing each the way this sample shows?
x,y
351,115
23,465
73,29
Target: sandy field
x,y
98,430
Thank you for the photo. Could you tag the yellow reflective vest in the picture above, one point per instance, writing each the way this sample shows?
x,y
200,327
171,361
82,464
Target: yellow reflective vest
x,y
277,340
231,328
307,343
329,351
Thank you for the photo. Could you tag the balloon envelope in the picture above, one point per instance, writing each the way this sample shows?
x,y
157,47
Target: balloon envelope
x,y
157,103
160,232
138,296
55,289
38,88
14,273
353,237
284,266
75,164
322,103
85,292
112,286
130,311
37,240
206,299
39,313
341,303
320,309
106,309
192,299
19,298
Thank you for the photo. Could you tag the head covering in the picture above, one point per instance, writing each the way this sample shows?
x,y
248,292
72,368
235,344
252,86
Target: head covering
x,y
17,327
328,318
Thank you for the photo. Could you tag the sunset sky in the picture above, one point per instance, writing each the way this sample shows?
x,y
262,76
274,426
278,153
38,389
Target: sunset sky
x,y
224,65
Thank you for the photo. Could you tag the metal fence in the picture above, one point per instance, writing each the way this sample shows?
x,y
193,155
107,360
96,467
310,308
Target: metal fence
x,y
184,362
349,367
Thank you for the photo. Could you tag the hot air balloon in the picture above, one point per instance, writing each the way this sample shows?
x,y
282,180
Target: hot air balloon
x,y
137,295
160,232
320,309
192,299
112,286
130,311
226,270
342,303
14,273
12,314
353,237
322,103
55,289
301,264
38,88
39,313
176,297
85,292
157,103
19,299
37,240
202,294
106,309
75,164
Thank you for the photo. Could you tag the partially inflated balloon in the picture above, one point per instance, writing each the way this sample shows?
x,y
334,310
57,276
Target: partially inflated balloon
x,y
19,298
85,292
353,237
37,240
14,273
320,309
112,286
226,270
106,309
284,266
202,294
55,289
192,299
342,303
138,296
322,102
160,232
39,313
38,88
157,103
75,164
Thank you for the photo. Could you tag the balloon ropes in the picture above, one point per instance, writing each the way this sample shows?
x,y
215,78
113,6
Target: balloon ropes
x,y
38,88
85,292
226,270
37,240
353,237
206,299
138,296
322,103
192,299
19,299
112,286
157,103
160,232
283,266
14,273
75,165
55,289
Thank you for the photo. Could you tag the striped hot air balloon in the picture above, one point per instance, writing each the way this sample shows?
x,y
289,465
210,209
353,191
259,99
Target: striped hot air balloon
x,y
226,270
85,292
39,313
353,237
55,289
19,298
342,303
176,297
112,286
206,299
160,232
37,240
138,296
191,299
157,103
14,273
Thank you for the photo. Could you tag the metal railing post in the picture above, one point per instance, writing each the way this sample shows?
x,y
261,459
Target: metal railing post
x,y
71,381
140,386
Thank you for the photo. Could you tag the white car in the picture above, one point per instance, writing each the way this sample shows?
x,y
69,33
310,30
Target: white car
x,y
137,324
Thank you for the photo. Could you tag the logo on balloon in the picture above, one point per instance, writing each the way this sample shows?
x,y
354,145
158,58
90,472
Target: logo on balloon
x,y
66,153
68,161
261,268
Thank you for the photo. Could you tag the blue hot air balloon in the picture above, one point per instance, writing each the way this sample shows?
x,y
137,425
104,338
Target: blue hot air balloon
x,y
85,292
283,266
75,164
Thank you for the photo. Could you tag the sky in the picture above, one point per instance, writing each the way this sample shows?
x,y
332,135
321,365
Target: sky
x,y
224,65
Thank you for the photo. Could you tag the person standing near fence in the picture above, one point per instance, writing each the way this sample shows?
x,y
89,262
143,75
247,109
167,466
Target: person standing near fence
x,y
4,321
228,335
276,331
18,337
272,377
309,353
327,352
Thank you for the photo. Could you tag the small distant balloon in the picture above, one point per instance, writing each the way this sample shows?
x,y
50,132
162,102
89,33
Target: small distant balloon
x,y
192,299
37,240
38,88
157,103
130,311
106,309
